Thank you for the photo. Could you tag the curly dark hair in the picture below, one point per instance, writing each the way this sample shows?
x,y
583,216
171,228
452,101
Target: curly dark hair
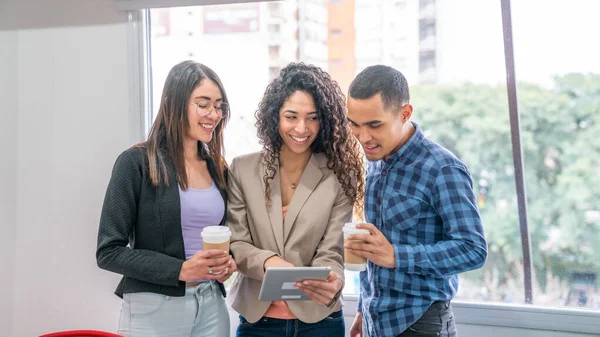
x,y
335,138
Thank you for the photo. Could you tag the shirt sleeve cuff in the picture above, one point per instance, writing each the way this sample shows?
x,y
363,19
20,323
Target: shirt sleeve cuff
x,y
405,258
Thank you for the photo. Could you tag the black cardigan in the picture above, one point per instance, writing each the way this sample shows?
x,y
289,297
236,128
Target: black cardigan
x,y
148,219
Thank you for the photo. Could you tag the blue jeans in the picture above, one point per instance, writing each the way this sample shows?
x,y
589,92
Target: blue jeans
x,y
330,326
202,312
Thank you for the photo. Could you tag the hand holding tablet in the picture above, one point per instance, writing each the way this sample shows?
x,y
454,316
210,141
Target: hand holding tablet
x,y
324,292
279,283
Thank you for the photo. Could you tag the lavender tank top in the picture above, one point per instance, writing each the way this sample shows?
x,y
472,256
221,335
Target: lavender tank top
x,y
199,208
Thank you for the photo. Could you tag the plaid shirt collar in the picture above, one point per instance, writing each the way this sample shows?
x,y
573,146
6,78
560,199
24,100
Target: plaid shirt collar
x,y
413,143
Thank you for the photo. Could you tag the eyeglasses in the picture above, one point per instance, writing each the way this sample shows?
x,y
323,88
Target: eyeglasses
x,y
203,108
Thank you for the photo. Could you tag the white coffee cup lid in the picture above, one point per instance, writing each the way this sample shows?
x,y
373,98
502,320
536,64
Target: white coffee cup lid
x,y
216,234
350,228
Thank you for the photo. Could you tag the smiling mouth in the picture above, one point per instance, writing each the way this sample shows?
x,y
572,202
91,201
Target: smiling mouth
x,y
208,127
299,140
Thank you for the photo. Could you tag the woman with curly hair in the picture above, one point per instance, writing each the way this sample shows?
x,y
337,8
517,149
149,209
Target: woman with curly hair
x,y
288,203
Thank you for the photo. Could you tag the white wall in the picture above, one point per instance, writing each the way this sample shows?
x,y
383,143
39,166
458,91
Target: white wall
x,y
68,121
8,173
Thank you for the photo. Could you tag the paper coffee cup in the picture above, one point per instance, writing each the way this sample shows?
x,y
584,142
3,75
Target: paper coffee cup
x,y
216,237
353,262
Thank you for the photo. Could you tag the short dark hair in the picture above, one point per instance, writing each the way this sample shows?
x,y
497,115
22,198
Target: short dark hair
x,y
381,79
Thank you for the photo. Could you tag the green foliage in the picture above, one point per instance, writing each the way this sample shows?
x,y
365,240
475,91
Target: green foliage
x,y
559,130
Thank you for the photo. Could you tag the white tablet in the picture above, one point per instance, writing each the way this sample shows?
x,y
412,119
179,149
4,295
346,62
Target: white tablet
x,y
278,283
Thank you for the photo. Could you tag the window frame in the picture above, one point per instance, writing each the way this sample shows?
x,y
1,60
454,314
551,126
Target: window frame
x,y
140,74
136,5
525,316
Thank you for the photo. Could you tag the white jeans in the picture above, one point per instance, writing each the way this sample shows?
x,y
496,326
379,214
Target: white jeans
x,y
202,312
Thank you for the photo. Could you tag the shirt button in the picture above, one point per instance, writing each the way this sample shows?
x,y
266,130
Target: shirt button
x,y
378,202
384,173
373,316
376,294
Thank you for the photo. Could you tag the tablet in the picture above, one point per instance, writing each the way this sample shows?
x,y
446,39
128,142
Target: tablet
x,y
278,283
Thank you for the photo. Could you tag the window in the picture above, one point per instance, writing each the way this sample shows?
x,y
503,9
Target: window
x,y
400,4
274,6
274,51
162,24
460,97
238,18
273,72
561,160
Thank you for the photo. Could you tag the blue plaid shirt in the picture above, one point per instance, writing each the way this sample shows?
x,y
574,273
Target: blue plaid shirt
x,y
422,200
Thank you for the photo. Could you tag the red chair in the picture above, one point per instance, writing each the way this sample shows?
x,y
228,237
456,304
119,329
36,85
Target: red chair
x,y
81,333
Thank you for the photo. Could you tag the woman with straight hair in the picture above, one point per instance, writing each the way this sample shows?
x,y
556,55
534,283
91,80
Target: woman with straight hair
x,y
289,202
162,193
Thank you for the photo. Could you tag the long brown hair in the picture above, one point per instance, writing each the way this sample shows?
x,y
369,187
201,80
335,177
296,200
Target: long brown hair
x,y
165,141
335,138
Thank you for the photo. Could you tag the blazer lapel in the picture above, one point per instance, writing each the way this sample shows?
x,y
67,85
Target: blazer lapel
x,y
169,208
275,209
308,182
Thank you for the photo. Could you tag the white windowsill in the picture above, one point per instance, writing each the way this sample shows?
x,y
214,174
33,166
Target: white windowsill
x,y
514,316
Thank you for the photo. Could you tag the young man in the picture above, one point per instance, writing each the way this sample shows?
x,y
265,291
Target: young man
x,y
424,223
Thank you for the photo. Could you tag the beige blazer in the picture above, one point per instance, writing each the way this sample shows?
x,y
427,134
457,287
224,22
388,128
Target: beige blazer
x,y
311,234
